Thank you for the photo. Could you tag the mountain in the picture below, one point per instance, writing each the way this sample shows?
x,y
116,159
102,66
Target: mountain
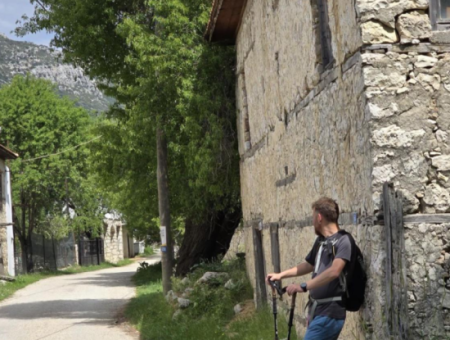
x,y
17,57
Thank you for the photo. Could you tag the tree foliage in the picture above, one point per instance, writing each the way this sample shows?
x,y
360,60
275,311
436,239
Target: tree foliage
x,y
151,56
51,172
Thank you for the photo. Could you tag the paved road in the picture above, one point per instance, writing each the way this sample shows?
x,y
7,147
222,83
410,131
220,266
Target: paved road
x,y
73,307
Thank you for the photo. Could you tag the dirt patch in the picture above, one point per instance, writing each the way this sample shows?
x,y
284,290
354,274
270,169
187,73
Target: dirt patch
x,y
248,310
123,323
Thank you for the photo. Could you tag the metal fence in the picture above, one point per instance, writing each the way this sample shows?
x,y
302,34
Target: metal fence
x,y
92,252
48,254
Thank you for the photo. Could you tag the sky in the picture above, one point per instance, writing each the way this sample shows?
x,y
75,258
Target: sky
x,y
10,12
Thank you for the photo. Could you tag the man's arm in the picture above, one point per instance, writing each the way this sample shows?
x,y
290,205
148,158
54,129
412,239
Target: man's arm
x,y
322,279
302,269
328,275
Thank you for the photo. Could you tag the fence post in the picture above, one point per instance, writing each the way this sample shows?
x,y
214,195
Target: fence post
x,y
79,252
54,253
387,228
43,247
396,291
98,251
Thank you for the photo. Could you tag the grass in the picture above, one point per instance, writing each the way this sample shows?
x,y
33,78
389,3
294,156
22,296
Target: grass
x,y
24,280
149,250
210,315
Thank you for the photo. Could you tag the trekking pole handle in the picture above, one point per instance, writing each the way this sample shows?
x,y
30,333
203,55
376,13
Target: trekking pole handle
x,y
275,287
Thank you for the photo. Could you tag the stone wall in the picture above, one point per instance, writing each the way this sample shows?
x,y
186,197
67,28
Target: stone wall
x,y
113,240
428,258
303,132
407,78
380,113
409,106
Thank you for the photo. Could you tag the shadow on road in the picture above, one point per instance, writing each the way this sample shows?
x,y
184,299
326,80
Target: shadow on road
x,y
98,309
122,279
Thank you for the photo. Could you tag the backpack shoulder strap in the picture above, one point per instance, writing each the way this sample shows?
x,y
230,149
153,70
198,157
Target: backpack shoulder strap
x,y
344,274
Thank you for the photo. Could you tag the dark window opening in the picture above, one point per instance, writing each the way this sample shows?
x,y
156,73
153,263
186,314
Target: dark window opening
x,y
444,9
322,31
245,116
440,14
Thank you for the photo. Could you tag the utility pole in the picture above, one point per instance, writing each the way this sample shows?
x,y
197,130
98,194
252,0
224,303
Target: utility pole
x,y
164,209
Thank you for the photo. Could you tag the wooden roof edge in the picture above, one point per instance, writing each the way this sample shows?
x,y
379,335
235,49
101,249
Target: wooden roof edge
x,y
215,10
215,13
8,153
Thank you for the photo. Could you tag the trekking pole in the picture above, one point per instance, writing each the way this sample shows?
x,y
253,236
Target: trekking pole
x,y
274,307
291,315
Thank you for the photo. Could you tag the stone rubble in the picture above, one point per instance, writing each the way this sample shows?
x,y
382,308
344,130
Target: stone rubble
x,y
230,285
212,278
171,296
183,303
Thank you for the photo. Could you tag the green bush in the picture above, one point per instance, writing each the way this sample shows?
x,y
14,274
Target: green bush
x,y
149,250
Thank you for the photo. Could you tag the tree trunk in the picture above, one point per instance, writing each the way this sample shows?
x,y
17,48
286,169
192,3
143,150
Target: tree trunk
x,y
27,261
206,241
164,209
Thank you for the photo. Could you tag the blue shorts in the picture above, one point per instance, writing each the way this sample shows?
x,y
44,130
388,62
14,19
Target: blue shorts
x,y
324,328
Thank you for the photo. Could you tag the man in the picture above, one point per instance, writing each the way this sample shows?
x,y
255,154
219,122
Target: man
x,y
326,260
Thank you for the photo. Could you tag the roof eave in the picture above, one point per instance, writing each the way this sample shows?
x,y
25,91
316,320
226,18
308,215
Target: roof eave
x,y
225,20
6,153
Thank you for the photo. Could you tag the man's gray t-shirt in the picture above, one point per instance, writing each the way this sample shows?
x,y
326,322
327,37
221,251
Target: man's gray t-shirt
x,y
342,250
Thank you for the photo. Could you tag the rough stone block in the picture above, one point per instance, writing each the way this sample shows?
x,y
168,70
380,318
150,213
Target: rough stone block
x,y
394,136
437,197
386,11
425,61
442,163
440,37
376,33
413,25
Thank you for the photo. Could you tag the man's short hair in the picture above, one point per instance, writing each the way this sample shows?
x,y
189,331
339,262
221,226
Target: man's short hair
x,y
328,208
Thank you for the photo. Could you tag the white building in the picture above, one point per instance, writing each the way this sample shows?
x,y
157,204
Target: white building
x,y
6,220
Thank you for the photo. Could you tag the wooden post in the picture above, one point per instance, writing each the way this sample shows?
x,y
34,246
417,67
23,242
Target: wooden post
x,y
261,293
387,228
396,309
164,209
400,273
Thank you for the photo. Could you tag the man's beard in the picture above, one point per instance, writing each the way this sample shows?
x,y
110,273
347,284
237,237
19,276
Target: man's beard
x,y
316,230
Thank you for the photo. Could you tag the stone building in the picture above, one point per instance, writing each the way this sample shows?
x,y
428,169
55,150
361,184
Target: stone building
x,y
6,226
117,243
337,98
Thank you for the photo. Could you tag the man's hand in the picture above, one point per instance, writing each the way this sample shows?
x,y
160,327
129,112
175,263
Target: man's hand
x,y
294,288
273,277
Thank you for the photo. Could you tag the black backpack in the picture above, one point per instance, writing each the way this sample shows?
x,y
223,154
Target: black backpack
x,y
355,277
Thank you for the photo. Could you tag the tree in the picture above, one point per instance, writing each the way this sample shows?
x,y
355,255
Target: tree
x,y
45,130
163,74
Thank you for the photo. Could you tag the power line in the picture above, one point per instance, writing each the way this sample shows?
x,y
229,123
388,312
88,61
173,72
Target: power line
x,y
60,152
